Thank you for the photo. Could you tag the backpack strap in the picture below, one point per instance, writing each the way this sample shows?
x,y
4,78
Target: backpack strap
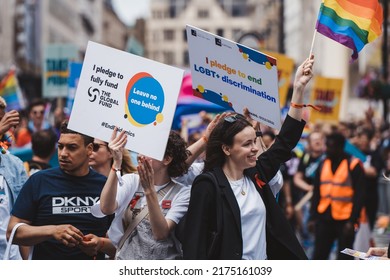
x,y
27,167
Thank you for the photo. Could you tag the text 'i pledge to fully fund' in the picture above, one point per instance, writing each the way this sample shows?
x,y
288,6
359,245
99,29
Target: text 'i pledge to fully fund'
x,y
108,80
107,72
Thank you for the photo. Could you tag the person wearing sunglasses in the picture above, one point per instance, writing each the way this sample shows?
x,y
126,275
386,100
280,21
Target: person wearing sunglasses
x,y
36,122
101,159
253,225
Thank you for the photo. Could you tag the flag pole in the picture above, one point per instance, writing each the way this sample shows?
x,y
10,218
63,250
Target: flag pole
x,y
312,42
315,31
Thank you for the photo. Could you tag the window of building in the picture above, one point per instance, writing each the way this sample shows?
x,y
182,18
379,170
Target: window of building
x,y
186,58
203,13
220,32
239,8
184,35
169,35
169,57
156,36
157,14
155,55
236,33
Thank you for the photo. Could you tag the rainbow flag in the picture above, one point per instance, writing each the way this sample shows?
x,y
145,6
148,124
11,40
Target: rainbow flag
x,y
352,23
10,91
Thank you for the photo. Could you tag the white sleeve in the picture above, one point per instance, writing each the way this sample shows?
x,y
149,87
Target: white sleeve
x,y
179,205
124,194
276,183
195,169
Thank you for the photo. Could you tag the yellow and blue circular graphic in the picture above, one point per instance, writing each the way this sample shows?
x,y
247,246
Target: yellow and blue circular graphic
x,y
144,100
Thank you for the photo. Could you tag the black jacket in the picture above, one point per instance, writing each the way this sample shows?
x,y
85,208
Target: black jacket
x,y
201,216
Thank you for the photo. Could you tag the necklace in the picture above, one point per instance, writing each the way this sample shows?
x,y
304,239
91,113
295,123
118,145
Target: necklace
x,y
238,182
243,192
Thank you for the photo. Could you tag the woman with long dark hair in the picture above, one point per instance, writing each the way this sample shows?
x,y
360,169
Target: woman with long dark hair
x,y
240,200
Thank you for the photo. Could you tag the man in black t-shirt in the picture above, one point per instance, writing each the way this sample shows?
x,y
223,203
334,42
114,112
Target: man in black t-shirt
x,y
55,204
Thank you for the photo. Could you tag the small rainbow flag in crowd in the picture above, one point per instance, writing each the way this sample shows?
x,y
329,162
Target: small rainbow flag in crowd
x,y
352,23
10,91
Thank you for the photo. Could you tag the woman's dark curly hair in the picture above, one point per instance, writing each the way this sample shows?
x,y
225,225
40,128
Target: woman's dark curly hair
x,y
177,150
223,133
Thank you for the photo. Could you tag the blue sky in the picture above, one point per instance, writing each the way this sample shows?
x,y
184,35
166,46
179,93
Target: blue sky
x,y
129,10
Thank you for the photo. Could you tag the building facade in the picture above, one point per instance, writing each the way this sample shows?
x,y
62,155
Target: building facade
x,y
27,26
166,40
7,31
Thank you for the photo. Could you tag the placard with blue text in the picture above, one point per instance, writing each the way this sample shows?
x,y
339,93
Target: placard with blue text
x,y
234,76
132,93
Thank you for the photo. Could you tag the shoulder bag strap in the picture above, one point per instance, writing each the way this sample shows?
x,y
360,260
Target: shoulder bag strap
x,y
141,215
10,240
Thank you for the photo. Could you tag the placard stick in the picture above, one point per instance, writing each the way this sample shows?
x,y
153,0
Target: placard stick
x,y
303,201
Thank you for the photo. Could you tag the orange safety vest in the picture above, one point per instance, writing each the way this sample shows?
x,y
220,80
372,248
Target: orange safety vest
x,y
336,189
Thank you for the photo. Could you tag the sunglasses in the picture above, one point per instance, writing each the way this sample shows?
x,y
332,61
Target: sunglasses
x,y
38,112
96,146
233,118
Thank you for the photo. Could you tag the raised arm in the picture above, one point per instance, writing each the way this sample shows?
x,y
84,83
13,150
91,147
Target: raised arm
x,y
10,119
302,77
108,203
199,146
161,227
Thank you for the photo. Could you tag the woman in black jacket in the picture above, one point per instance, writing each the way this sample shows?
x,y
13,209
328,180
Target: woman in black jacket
x,y
252,226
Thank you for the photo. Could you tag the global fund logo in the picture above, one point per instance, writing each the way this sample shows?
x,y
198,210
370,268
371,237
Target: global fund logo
x,y
102,97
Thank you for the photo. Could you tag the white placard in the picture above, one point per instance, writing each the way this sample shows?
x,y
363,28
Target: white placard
x,y
130,92
234,76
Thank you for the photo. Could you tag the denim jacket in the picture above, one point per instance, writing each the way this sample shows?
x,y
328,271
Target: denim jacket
x,y
12,169
13,172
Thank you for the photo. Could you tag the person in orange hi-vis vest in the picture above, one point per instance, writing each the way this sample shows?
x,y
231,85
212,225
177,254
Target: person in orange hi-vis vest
x,y
338,198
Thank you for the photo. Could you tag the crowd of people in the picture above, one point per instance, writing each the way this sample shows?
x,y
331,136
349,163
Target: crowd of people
x,y
238,190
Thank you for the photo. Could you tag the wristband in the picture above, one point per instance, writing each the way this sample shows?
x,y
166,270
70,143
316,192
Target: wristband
x,y
115,169
118,174
300,106
205,138
102,242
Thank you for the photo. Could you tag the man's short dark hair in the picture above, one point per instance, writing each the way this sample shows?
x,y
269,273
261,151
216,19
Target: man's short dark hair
x,y
65,130
269,133
337,139
36,102
43,143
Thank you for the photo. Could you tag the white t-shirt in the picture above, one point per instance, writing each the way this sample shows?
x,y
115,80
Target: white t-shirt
x,y
253,219
126,192
276,183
